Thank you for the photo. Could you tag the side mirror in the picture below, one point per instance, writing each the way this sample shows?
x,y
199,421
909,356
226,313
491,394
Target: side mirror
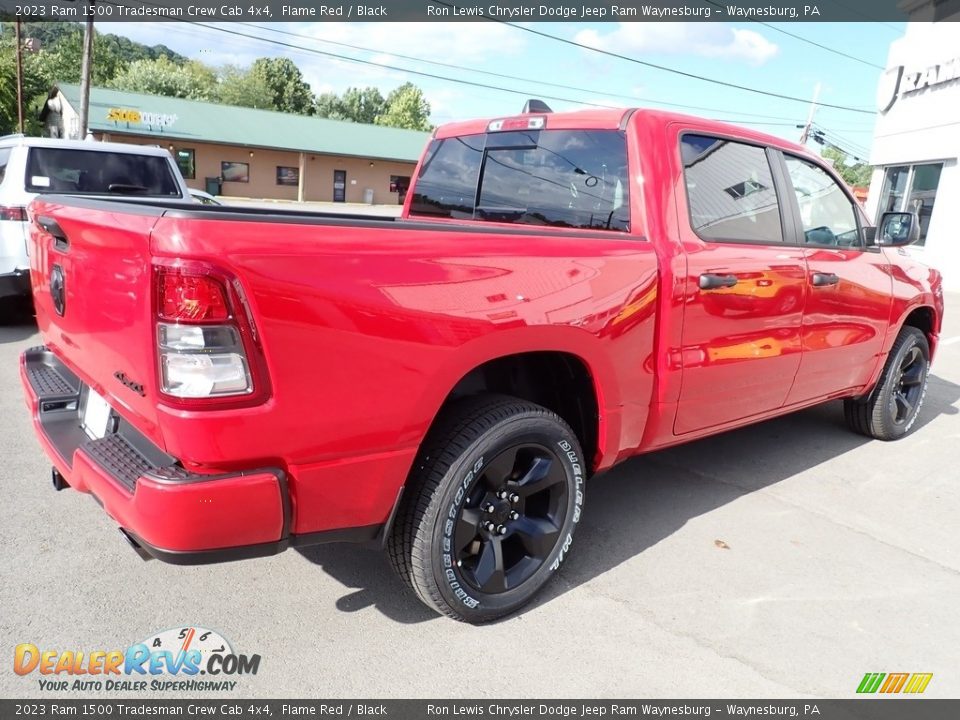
x,y
897,229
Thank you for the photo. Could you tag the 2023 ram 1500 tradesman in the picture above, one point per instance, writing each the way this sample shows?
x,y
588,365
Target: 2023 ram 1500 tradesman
x,y
563,291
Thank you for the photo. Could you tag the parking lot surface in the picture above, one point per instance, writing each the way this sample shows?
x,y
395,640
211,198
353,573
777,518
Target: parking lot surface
x,y
784,559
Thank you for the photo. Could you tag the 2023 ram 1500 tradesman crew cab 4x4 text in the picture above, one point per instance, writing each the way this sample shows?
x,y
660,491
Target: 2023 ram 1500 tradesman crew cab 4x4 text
x,y
563,291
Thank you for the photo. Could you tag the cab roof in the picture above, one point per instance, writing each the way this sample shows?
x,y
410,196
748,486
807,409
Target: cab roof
x,y
621,118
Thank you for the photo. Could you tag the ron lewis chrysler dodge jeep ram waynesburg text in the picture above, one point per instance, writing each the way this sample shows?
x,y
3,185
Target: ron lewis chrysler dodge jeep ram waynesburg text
x,y
562,291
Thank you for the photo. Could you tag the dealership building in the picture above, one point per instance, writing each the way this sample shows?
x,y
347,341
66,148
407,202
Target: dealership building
x,y
916,141
244,152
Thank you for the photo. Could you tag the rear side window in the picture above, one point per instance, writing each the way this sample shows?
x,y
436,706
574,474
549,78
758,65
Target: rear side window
x,y
730,190
4,159
555,178
89,171
447,184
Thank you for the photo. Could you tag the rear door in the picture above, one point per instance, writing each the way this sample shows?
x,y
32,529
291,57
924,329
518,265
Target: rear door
x,y
744,304
850,288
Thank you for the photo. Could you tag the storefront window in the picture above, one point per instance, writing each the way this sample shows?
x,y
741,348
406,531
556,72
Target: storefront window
x,y
186,163
911,188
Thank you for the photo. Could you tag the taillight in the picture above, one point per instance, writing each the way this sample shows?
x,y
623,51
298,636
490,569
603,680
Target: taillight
x,y
206,344
17,214
191,297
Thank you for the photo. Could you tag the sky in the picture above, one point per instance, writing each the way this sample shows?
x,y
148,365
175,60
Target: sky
x,y
752,54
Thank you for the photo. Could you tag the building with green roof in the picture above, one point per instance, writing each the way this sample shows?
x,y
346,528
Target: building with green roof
x,y
246,152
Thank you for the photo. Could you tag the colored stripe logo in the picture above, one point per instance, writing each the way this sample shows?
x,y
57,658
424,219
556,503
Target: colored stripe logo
x,y
889,683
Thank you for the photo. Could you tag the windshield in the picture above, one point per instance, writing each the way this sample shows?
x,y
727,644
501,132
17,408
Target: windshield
x,y
62,170
558,178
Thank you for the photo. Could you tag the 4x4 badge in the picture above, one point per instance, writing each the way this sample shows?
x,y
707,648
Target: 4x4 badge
x,y
127,382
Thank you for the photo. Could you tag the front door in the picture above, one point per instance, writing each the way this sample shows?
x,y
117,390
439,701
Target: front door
x,y
850,291
339,185
742,317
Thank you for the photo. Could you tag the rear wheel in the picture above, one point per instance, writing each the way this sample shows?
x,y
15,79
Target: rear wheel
x,y
490,508
892,409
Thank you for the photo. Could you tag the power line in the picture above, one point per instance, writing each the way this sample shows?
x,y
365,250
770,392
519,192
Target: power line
x,y
806,40
510,77
664,68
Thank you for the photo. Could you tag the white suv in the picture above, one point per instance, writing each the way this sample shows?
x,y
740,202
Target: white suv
x,y
31,166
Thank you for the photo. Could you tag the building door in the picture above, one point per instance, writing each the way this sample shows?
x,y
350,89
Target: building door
x,y
339,185
744,309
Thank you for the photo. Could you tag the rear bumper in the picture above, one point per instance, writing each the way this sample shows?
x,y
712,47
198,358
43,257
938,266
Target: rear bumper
x,y
166,511
15,284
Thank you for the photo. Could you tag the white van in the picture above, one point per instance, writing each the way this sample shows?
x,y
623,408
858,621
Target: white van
x,y
30,166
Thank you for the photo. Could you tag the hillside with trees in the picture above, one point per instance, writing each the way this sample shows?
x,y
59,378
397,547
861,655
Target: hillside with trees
x,y
269,83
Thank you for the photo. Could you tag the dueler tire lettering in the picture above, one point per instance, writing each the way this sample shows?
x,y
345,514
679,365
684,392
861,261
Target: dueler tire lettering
x,y
490,509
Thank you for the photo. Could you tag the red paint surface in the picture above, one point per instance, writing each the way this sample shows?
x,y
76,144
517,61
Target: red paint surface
x,y
365,330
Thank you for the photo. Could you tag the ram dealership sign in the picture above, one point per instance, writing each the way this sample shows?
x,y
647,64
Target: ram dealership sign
x,y
897,83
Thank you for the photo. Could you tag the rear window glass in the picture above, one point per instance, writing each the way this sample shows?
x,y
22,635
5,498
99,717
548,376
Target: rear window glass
x,y
63,170
730,190
4,159
557,178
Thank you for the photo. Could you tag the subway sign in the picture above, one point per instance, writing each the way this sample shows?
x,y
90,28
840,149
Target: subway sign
x,y
137,117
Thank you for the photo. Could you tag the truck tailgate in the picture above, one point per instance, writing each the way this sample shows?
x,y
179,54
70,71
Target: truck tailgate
x,y
91,274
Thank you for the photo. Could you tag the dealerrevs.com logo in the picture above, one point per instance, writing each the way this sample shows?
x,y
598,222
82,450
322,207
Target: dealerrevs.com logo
x,y
187,659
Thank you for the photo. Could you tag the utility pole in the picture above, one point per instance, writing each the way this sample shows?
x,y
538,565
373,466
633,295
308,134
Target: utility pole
x,y
19,79
85,72
813,109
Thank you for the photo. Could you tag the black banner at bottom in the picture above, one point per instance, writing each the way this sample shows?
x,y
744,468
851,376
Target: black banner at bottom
x,y
875,708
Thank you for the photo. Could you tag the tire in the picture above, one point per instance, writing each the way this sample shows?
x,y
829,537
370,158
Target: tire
x,y
490,507
892,409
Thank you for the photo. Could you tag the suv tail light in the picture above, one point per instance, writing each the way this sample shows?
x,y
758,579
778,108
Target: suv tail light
x,y
207,348
18,214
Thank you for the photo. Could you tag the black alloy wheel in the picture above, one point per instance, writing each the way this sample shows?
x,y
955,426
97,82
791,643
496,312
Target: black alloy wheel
x,y
490,507
512,518
891,410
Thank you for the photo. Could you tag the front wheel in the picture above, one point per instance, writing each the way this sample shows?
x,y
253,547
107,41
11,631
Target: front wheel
x,y
892,409
490,508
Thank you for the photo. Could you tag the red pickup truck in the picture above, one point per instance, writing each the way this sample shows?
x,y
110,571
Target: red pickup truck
x,y
563,291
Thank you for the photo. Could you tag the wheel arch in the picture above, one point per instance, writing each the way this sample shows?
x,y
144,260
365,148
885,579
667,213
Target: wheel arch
x,y
541,367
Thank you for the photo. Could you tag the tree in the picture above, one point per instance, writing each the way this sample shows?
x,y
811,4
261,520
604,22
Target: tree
x,y
406,108
34,84
162,76
854,174
362,106
289,92
242,87
61,62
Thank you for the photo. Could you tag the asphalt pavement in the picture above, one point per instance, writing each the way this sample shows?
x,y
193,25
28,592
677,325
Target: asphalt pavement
x,y
784,559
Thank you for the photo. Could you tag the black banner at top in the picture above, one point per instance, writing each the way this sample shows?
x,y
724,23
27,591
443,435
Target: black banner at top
x,y
480,10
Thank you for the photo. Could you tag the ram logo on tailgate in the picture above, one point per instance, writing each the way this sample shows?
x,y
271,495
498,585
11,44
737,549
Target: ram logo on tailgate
x,y
57,291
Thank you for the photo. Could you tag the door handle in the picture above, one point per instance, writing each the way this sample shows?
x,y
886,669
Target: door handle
x,y
824,279
710,281
52,228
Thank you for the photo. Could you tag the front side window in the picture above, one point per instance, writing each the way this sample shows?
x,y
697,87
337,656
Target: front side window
x,y
52,169
556,178
730,190
827,215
